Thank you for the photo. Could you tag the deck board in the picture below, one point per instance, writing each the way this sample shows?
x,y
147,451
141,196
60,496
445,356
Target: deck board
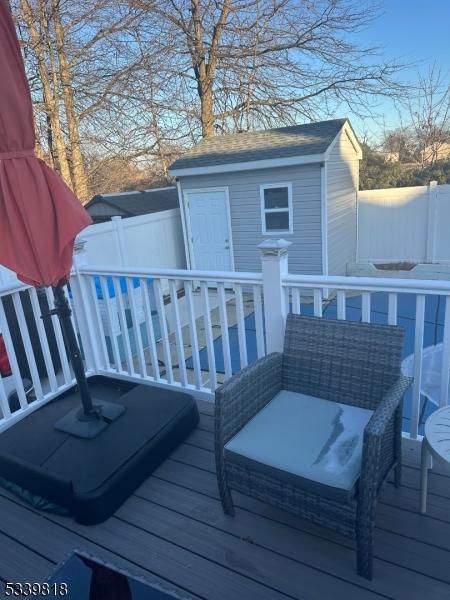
x,y
20,563
173,530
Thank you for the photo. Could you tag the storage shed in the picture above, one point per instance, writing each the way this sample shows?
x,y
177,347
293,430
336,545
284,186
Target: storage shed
x,y
299,183
131,204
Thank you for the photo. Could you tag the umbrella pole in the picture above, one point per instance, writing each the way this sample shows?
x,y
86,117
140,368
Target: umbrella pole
x,y
92,419
63,310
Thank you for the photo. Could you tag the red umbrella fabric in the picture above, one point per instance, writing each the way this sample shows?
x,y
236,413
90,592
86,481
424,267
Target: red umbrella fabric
x,y
39,215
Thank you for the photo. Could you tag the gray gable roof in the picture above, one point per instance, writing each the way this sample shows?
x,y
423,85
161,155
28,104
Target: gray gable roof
x,y
131,204
249,146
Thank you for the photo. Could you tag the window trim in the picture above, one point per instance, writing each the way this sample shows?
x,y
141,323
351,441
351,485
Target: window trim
x,y
264,210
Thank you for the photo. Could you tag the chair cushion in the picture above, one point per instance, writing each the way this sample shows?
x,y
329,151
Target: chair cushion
x,y
308,442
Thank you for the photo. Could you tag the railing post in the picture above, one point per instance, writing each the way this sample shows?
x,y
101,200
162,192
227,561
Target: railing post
x,y
432,221
274,263
123,251
86,321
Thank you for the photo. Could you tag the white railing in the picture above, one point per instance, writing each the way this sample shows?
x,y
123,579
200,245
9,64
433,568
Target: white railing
x,y
35,350
149,322
193,329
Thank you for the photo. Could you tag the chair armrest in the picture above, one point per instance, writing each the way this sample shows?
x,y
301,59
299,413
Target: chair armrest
x,y
379,445
245,394
387,407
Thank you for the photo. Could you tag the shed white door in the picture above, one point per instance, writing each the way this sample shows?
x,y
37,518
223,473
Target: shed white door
x,y
210,231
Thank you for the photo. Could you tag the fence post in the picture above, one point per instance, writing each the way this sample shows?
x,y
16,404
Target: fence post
x,y
432,221
274,263
123,251
87,323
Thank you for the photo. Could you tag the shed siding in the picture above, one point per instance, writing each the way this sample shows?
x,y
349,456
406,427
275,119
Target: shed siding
x,y
342,186
245,209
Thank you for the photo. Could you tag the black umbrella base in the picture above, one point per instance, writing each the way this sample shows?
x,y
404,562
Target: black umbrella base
x,y
80,425
91,478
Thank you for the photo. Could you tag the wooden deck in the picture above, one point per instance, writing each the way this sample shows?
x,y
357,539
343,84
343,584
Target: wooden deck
x,y
173,530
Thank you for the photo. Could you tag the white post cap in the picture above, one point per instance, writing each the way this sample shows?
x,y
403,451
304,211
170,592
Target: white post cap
x,y
272,247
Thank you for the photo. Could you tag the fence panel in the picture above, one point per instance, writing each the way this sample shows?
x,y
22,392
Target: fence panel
x,y
153,239
441,228
393,224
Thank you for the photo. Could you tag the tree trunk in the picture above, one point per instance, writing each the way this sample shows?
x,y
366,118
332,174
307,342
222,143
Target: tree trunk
x,y
51,100
51,145
207,110
79,176
39,151
205,63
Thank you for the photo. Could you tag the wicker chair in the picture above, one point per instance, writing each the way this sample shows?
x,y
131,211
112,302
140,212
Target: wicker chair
x,y
354,364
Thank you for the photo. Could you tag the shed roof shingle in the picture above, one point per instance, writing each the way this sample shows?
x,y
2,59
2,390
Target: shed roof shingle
x,y
249,146
139,203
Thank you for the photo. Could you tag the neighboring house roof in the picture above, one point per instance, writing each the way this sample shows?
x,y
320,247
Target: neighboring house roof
x,y
389,157
131,204
437,151
256,149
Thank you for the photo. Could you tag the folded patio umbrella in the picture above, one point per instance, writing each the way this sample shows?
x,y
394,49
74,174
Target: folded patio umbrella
x,y
39,215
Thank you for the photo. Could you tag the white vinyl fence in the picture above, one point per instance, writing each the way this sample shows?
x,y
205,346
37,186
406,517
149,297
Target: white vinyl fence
x,y
404,224
441,224
154,239
7,276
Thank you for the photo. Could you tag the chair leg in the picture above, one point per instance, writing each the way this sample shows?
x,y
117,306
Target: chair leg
x,y
398,475
364,549
398,448
222,483
225,498
365,525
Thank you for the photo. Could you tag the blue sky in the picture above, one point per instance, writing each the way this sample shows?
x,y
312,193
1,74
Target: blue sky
x,y
411,30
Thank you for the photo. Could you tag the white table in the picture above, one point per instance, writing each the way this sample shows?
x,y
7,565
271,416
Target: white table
x,y
436,442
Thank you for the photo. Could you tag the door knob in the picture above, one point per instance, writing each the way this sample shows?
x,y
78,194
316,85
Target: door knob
x,y
227,247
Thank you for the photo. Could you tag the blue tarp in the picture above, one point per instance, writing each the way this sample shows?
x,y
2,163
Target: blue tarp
x,y
110,284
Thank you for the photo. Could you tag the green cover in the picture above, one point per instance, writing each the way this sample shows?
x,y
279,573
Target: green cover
x,y
33,499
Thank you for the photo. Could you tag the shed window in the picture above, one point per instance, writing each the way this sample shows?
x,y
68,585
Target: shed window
x,y
276,208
